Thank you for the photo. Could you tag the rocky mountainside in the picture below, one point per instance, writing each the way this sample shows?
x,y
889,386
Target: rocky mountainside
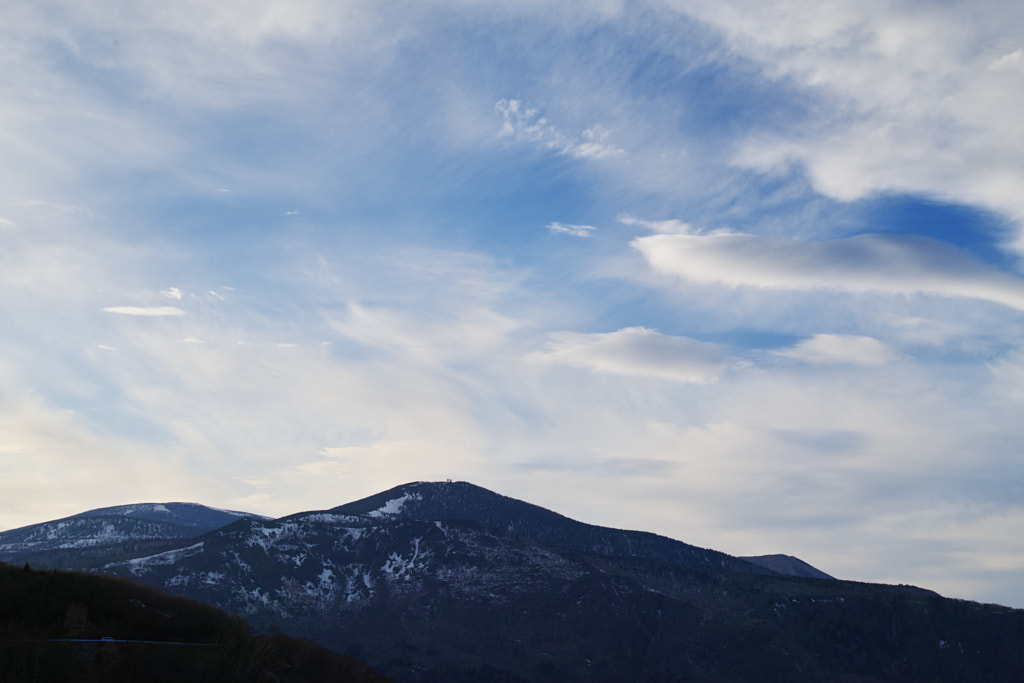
x,y
451,582
96,537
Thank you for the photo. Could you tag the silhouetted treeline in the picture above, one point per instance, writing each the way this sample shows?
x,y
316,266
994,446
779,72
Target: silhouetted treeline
x,y
52,626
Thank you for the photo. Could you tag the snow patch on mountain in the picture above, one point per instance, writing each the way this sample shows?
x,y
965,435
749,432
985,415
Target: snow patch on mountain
x,y
397,567
104,535
129,510
332,518
213,578
394,506
140,564
236,513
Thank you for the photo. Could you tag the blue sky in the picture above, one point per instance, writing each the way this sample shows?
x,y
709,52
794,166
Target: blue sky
x,y
744,274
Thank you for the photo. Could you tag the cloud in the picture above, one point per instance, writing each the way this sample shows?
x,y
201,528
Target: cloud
x,y
669,227
56,464
146,311
527,125
591,145
896,264
1013,60
638,351
423,375
1008,379
574,230
909,97
822,349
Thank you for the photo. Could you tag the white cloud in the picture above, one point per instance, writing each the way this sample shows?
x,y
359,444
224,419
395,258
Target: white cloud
x,y
865,263
568,229
55,464
911,97
1008,379
591,144
669,227
524,124
425,353
840,348
146,311
1013,60
638,351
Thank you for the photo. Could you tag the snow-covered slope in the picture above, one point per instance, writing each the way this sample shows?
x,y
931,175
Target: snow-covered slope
x,y
451,582
326,563
467,502
199,518
441,582
450,540
81,540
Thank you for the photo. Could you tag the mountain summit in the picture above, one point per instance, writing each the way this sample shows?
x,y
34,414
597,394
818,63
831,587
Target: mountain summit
x,y
447,581
464,502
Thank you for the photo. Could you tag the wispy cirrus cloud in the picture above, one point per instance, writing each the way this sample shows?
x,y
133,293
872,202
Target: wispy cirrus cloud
x,y
913,97
294,151
669,226
525,124
568,229
895,264
146,311
1010,61
638,351
827,349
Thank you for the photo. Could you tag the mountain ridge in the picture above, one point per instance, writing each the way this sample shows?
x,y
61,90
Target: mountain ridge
x,y
787,564
88,538
465,501
433,582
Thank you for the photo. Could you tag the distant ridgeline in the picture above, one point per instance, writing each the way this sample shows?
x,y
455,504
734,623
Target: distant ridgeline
x,y
94,538
451,582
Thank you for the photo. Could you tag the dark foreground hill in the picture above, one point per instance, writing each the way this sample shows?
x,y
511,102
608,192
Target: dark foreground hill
x,y
448,582
65,626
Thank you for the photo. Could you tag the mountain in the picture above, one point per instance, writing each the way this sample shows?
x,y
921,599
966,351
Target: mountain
x,y
67,627
93,538
449,582
787,564
462,501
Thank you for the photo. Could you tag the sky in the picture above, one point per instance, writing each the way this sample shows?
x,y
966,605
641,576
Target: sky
x,y
744,274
